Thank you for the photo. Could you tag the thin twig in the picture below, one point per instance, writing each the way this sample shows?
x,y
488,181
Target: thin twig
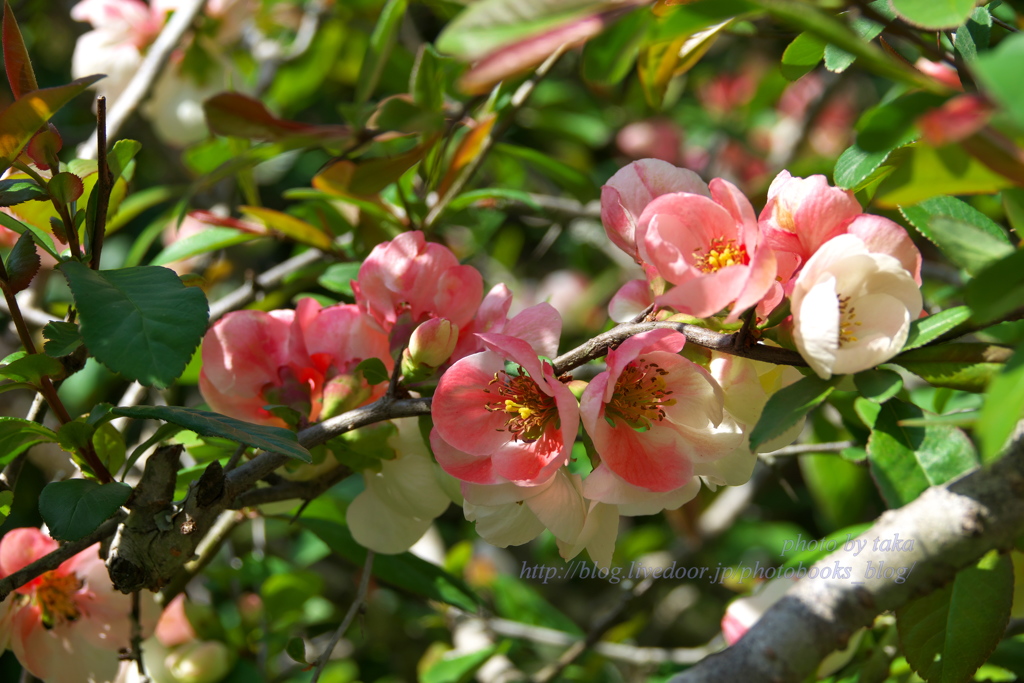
x,y
226,523
103,184
357,604
801,448
142,82
236,457
137,637
247,293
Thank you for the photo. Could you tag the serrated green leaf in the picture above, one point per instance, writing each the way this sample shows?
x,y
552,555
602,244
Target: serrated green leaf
x,y
837,59
22,263
878,386
964,366
65,187
928,14
919,214
966,245
925,172
974,34
32,368
930,328
274,439
998,289
40,237
374,371
18,435
786,406
338,277
907,460
120,155
1003,408
405,571
141,322
947,634
802,55
76,507
61,338
17,190
210,239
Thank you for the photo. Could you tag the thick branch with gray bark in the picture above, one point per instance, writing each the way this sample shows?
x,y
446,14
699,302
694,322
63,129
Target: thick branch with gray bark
x,y
952,527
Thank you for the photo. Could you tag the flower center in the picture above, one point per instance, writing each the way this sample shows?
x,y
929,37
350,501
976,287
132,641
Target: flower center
x,y
55,596
530,410
848,322
640,396
721,254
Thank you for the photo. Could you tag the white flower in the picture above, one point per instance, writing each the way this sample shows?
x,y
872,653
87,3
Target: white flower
x,y
852,308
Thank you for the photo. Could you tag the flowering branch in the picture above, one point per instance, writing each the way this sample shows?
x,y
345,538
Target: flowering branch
x,y
953,525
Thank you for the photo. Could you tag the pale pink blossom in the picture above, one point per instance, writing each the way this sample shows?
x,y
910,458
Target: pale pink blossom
x,y
401,499
424,280
304,360
632,188
632,299
173,628
655,417
941,72
852,308
501,415
67,625
710,249
653,138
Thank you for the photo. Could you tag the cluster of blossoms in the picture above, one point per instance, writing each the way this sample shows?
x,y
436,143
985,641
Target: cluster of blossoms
x,y
505,420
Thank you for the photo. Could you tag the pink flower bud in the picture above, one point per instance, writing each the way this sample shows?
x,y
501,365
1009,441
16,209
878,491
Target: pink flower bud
x,y
433,342
201,662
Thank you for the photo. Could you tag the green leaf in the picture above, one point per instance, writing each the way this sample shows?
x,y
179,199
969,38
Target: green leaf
x,y
974,34
377,52
22,263
802,55
1003,408
608,58
968,237
456,669
273,439
210,239
162,433
61,338
878,386
26,115
18,435
467,199
141,322
76,507
405,571
927,171
925,330
120,155
1013,205
569,178
41,238
6,500
17,190
428,79
65,187
290,226
998,70
964,366
296,649
998,290
32,368
929,14
786,406
374,370
338,277
907,460
947,634
837,59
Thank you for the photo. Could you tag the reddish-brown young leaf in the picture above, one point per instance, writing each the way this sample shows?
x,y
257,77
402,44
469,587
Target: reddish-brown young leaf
x,y
16,61
65,187
240,116
22,263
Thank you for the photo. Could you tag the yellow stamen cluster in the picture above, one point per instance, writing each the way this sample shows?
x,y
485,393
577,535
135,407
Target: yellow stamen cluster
x,y
721,254
530,410
640,396
847,321
55,597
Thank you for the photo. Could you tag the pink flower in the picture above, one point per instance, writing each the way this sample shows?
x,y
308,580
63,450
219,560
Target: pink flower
x,y
804,213
69,623
501,415
654,416
958,118
303,359
632,188
424,280
709,248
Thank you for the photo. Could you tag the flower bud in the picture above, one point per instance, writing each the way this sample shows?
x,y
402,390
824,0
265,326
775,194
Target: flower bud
x,y
433,342
201,662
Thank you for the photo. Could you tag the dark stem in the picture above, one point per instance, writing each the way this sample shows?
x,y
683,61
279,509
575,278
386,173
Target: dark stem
x,y
103,184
